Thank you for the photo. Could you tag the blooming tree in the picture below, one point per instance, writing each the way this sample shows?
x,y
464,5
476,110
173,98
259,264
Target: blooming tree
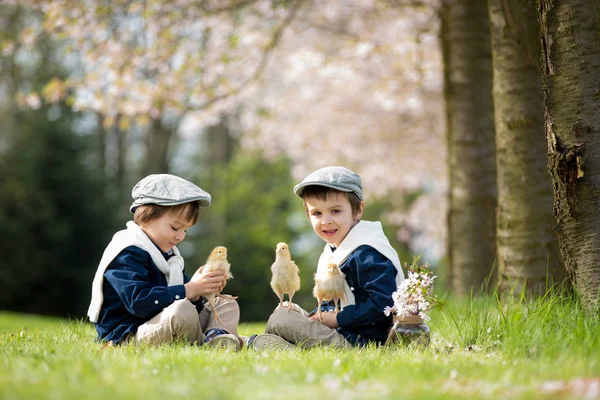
x,y
147,59
356,82
368,97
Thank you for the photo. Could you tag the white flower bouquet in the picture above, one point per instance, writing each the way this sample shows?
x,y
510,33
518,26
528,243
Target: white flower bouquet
x,y
414,297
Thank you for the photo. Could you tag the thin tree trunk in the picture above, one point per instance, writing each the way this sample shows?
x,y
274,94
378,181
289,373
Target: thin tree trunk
x,y
122,155
101,132
220,151
571,75
114,153
157,148
527,247
10,78
471,147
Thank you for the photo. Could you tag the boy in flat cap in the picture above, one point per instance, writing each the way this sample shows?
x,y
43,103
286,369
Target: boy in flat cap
x,y
333,200
140,293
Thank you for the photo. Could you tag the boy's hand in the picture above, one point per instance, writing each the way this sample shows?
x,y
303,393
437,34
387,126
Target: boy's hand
x,y
202,284
328,319
221,274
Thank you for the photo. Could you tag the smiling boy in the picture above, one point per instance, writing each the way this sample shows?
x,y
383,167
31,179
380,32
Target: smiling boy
x,y
333,200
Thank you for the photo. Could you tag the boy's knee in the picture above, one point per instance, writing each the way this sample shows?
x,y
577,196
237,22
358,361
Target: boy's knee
x,y
280,319
183,307
183,313
228,302
279,330
185,322
232,303
277,323
286,326
274,318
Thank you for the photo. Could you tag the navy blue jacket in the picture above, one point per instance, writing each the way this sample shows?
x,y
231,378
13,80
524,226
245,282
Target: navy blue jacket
x,y
372,278
134,290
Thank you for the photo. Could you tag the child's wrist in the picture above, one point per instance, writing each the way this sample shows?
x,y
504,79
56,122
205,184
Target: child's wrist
x,y
190,294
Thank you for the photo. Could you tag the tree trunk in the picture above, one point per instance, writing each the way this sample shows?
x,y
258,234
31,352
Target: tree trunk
x,y
101,134
9,78
157,148
113,155
571,75
219,143
527,247
122,155
471,147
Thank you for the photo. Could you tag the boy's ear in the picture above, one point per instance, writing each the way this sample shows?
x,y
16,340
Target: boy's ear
x,y
359,213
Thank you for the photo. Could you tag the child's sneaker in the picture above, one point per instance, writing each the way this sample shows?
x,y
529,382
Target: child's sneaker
x,y
268,341
220,338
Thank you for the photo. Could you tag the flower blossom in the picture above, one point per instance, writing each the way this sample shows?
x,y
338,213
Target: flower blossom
x,y
414,295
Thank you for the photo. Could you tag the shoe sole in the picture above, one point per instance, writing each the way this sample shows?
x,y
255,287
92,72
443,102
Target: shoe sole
x,y
227,341
268,341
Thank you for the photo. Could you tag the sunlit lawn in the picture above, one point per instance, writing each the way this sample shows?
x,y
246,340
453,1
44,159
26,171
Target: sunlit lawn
x,y
542,349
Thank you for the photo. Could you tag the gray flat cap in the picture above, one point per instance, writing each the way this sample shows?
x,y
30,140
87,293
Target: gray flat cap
x,y
338,178
167,190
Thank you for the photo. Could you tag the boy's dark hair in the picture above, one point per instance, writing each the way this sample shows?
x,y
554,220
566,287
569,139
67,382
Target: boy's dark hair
x,y
323,192
149,212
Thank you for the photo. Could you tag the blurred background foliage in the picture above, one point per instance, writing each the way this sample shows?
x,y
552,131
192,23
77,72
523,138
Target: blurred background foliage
x,y
57,215
54,217
66,177
58,212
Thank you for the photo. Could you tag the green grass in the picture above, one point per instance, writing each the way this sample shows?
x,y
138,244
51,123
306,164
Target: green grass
x,y
480,349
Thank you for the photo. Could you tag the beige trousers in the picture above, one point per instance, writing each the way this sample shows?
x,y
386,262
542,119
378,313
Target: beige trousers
x,y
295,327
181,322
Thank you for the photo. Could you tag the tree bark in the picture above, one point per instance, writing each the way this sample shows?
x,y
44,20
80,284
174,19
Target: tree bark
x,y
471,147
120,136
101,134
571,75
220,145
528,256
9,77
158,144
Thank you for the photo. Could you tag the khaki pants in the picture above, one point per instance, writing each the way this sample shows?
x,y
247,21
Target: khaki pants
x,y
295,327
181,321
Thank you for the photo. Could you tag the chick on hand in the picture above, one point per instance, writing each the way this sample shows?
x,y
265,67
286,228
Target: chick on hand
x,y
329,285
217,261
285,275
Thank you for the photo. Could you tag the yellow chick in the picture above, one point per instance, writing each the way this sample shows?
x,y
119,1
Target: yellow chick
x,y
285,275
329,285
217,261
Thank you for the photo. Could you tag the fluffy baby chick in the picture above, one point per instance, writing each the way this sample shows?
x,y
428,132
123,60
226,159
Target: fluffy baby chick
x,y
329,285
217,261
285,275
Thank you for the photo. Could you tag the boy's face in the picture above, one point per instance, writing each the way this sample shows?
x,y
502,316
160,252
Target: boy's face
x,y
332,219
168,230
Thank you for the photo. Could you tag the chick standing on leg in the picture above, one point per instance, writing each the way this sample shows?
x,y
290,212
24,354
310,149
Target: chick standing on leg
x,y
329,285
217,261
285,274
